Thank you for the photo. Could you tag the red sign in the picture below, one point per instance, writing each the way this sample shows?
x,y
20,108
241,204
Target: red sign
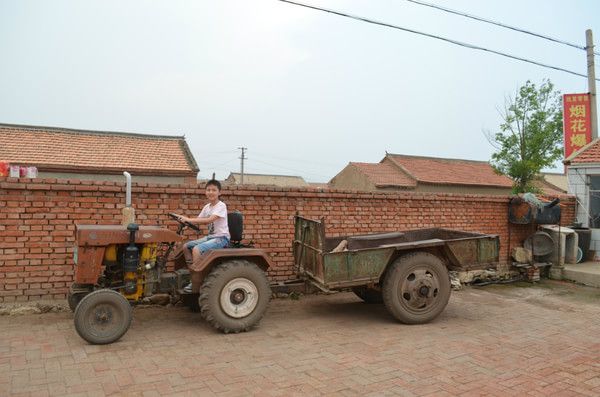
x,y
577,125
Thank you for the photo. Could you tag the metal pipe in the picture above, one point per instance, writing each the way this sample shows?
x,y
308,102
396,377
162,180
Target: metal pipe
x,y
128,191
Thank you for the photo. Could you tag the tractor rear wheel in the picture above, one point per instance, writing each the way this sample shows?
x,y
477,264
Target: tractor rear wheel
x,y
416,288
102,317
234,296
368,295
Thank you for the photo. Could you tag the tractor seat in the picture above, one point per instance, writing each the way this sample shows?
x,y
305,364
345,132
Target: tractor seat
x,y
235,221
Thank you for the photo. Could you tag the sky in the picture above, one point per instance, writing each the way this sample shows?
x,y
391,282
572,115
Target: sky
x,y
304,91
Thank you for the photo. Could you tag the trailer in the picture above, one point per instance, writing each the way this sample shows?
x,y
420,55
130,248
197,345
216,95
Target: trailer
x,y
406,270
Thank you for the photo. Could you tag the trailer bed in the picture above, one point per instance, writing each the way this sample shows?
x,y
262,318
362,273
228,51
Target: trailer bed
x,y
367,256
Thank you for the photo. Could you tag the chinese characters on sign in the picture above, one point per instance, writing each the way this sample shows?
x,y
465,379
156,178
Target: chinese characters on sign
x,y
577,124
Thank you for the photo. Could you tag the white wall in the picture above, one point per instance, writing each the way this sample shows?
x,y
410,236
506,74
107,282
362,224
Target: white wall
x,y
577,178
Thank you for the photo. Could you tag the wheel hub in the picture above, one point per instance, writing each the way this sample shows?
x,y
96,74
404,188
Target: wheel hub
x,y
103,315
419,290
239,297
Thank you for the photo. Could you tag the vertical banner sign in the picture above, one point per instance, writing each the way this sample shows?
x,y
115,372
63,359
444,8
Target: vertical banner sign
x,y
577,125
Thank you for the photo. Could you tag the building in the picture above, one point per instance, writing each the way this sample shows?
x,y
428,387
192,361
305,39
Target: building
x,y
235,178
423,174
551,184
66,153
583,175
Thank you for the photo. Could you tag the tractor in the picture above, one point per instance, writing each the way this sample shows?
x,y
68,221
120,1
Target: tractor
x,y
120,265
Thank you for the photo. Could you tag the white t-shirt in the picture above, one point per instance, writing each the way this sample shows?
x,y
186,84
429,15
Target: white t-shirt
x,y
219,227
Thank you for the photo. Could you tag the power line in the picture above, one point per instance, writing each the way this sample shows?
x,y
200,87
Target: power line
x,y
456,42
481,19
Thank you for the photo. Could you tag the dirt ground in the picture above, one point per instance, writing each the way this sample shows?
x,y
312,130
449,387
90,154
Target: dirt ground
x,y
502,340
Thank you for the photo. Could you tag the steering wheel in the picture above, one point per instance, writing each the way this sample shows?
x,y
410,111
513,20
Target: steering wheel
x,y
188,224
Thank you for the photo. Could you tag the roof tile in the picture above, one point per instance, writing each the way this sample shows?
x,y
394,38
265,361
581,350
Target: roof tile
x,y
384,174
588,154
450,171
66,149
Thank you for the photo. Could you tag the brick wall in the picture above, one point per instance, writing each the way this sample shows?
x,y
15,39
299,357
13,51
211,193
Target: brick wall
x,y
38,218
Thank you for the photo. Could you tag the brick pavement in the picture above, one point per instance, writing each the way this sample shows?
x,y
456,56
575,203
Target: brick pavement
x,y
498,341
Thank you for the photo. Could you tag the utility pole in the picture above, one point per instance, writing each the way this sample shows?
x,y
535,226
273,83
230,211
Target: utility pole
x,y
242,158
589,47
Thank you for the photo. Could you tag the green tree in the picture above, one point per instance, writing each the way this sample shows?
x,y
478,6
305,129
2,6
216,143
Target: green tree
x,y
530,136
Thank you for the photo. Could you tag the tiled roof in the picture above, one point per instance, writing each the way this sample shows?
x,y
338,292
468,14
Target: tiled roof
x,y
384,174
449,171
266,179
590,153
61,149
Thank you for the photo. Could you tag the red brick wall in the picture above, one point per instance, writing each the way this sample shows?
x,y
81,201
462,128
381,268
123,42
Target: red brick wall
x,y
38,218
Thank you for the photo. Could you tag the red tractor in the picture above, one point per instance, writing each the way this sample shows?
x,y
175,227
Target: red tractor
x,y
117,265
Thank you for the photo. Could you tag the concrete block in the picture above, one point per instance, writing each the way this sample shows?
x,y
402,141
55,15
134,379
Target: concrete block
x,y
522,255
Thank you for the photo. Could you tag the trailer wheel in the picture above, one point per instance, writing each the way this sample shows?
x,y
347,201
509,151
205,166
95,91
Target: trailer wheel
x,y
102,317
416,288
368,295
234,296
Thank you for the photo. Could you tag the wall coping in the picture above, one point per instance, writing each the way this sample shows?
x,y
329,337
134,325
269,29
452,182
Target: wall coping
x,y
55,184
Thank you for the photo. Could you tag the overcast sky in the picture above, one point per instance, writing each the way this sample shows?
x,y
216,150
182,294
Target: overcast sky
x,y
306,92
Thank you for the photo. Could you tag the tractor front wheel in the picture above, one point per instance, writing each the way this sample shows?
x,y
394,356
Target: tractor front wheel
x,y
234,296
102,317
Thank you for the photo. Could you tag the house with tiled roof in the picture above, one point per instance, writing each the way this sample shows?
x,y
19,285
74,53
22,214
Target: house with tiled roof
x,y
67,153
372,177
551,184
583,176
423,174
235,178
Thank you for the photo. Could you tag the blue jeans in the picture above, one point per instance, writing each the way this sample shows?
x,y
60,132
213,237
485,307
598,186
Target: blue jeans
x,y
207,243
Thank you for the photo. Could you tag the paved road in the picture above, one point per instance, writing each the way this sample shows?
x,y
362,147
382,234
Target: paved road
x,y
498,341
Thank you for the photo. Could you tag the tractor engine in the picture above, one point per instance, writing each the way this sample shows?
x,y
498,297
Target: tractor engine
x,y
132,268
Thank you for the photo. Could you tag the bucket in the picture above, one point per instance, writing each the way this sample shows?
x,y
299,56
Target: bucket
x,y
585,237
4,168
15,171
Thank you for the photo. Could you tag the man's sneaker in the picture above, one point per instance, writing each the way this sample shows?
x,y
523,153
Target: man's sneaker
x,y
188,288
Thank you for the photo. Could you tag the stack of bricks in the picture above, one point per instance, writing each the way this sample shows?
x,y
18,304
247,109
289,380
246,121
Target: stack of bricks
x,y
38,219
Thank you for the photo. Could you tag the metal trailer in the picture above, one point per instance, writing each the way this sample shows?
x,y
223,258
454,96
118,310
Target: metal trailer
x,y
406,270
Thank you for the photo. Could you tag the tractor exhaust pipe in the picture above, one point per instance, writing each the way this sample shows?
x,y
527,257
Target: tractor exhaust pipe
x,y
128,191
128,211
